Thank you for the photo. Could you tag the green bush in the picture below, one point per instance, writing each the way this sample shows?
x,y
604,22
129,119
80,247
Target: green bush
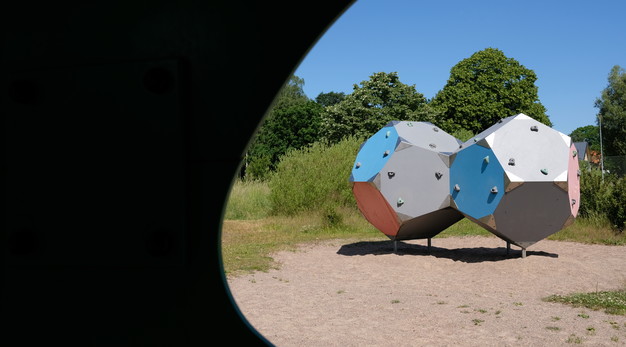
x,y
603,196
315,178
617,212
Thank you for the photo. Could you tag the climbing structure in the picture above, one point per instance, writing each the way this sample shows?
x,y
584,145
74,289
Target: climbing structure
x,y
518,179
401,180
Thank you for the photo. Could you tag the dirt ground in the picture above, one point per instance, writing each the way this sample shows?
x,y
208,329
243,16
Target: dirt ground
x,y
466,291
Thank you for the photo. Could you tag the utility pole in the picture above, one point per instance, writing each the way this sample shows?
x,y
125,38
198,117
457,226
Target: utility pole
x,y
601,153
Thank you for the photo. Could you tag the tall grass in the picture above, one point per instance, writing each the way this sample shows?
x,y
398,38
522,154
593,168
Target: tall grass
x,y
248,199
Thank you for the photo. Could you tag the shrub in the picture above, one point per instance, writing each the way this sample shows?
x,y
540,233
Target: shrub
x,y
603,196
315,178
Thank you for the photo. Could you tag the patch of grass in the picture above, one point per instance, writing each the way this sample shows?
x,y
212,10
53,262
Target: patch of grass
x,y
481,310
612,302
583,315
477,321
553,328
614,325
591,330
464,227
247,245
518,304
574,339
555,318
591,230
614,338
395,301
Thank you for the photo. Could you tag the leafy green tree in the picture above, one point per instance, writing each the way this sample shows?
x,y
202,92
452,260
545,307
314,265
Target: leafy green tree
x,y
291,93
612,113
371,105
330,98
589,134
484,88
292,123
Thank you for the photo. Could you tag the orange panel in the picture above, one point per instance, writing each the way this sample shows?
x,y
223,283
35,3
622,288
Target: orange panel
x,y
375,208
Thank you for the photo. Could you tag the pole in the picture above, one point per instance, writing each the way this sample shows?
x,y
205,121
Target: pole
x,y
601,152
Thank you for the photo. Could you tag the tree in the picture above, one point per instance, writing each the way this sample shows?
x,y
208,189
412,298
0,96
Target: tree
x,y
589,134
330,98
291,93
292,123
612,113
371,105
484,88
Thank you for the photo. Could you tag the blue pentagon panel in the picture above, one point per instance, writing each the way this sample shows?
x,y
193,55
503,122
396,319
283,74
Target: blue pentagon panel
x,y
374,154
476,181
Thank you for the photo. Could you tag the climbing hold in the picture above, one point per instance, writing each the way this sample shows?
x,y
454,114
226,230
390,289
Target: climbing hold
x,y
435,129
544,171
574,153
391,174
494,189
432,145
387,134
511,161
486,159
534,128
358,164
573,202
438,174
400,201
578,172
457,188
386,153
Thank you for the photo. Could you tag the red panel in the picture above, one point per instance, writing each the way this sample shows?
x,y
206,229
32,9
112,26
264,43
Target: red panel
x,y
375,208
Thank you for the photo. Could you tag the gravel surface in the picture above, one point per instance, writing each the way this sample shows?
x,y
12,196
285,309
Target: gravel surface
x,y
466,291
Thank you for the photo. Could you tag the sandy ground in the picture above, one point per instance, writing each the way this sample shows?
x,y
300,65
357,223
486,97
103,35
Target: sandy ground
x,y
465,292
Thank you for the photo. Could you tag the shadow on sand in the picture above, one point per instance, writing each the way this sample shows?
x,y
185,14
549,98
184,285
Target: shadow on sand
x,y
467,255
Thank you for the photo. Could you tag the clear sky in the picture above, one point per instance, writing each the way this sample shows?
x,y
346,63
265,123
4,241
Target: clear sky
x,y
570,45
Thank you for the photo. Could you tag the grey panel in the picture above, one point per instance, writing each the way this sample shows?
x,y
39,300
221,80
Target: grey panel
x,y
428,225
423,134
488,131
411,176
533,151
532,212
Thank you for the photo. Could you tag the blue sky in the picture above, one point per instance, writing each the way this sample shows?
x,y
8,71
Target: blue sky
x,y
570,45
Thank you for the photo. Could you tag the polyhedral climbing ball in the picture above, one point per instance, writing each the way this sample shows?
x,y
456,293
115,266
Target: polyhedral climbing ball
x,y
401,180
533,183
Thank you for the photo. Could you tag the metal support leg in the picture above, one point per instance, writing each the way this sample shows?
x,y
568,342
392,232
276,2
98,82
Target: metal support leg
x,y
508,248
523,252
395,246
429,244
